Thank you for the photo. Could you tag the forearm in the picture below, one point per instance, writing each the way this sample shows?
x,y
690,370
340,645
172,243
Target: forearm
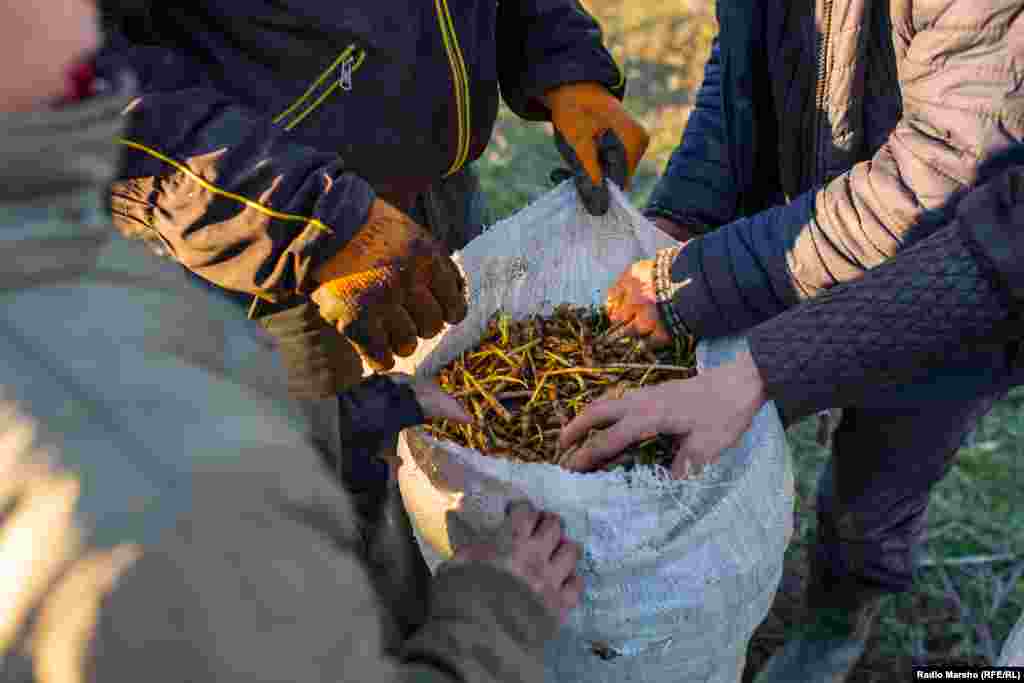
x,y
375,410
901,317
233,201
698,189
227,194
954,122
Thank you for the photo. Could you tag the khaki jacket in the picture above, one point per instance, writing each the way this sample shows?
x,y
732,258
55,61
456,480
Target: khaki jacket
x,y
162,517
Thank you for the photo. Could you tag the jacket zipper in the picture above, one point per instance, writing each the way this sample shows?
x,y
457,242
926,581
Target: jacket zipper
x,y
460,85
348,61
821,91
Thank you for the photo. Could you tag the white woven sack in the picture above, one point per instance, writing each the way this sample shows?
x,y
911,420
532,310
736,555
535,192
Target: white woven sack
x,y
678,574
1013,648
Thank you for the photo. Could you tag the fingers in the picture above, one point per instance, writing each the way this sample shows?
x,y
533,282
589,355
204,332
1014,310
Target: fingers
x,y
605,446
425,312
638,322
566,557
612,155
401,332
582,157
696,450
368,335
596,415
548,533
571,592
633,137
445,407
522,519
449,288
434,402
582,161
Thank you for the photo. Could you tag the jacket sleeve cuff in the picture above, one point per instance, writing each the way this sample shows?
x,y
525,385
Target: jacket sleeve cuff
x,y
526,99
695,227
484,624
376,407
350,206
663,291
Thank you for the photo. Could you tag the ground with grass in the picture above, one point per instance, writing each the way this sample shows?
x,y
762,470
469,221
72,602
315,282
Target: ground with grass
x,y
969,591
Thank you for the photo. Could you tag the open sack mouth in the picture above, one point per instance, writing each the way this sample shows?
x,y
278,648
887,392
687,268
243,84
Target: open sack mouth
x,y
528,377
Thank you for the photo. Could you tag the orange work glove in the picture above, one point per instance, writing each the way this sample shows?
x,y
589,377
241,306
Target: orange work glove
x,y
393,282
597,137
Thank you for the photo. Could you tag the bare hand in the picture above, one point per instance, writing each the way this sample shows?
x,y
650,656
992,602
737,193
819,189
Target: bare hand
x,y
708,413
632,302
434,402
532,546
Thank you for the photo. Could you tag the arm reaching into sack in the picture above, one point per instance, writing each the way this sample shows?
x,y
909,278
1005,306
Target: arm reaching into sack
x,y
889,324
959,110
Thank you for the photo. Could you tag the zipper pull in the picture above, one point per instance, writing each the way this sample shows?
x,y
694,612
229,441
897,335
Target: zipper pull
x,y
345,81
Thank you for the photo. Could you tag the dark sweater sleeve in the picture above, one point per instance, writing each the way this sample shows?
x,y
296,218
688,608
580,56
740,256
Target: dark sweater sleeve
x,y
906,314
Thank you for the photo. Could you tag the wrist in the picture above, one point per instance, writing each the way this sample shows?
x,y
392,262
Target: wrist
x,y
747,375
675,230
575,90
663,293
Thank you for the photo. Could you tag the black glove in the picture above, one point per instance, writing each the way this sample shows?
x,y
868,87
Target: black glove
x,y
612,155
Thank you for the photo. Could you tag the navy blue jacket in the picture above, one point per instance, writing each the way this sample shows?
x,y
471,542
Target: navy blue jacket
x,y
825,138
266,128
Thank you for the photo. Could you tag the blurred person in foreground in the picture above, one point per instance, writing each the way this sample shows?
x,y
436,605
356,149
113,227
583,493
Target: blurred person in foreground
x,y
162,515
827,137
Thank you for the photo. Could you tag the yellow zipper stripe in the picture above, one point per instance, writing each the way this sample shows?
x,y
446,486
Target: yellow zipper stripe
x,y
327,93
458,83
316,84
464,76
261,208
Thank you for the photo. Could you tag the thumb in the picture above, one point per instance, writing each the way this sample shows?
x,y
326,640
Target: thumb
x,y
436,404
694,452
450,409
612,154
587,173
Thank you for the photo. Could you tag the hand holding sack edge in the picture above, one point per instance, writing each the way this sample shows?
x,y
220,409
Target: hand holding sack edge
x,y
597,137
531,545
393,282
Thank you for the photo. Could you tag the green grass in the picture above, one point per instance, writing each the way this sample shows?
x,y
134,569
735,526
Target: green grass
x,y
975,511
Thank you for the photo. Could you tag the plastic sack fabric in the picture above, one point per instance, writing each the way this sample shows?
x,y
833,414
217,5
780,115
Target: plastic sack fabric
x,y
677,574
1013,649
